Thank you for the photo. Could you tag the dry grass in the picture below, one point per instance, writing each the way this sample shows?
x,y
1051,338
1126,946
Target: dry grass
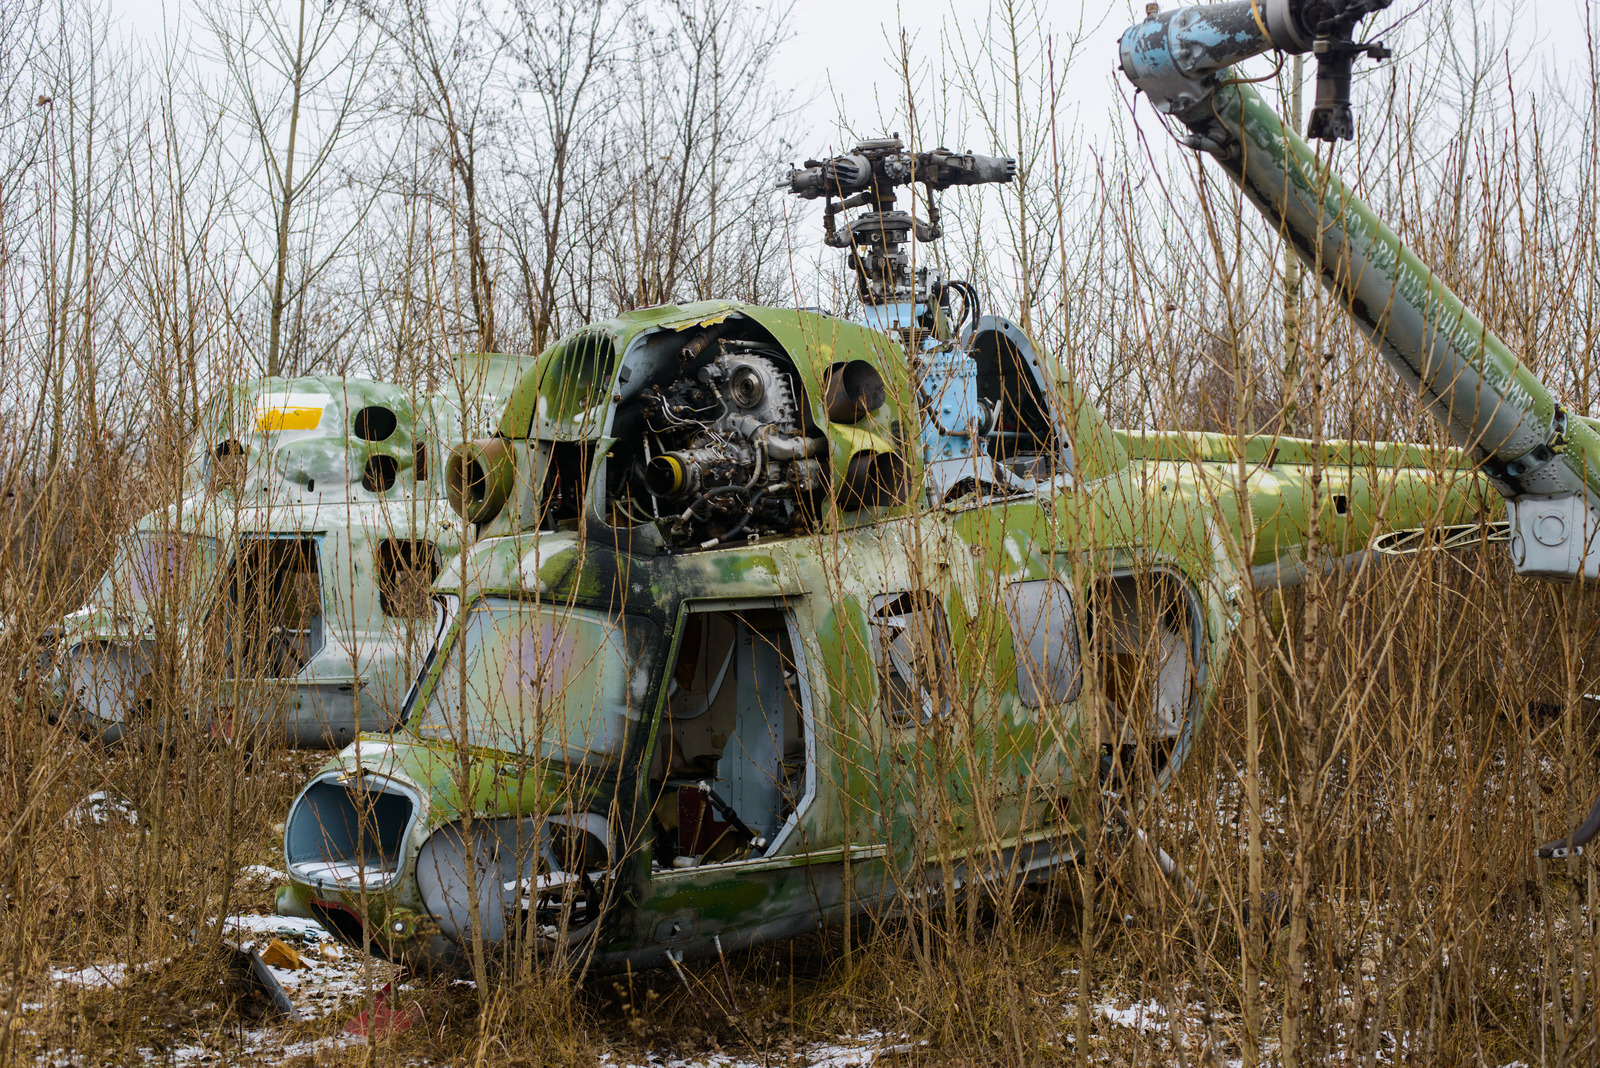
x,y
1431,933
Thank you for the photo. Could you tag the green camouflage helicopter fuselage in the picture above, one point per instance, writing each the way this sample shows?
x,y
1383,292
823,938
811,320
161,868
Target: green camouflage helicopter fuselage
x,y
661,737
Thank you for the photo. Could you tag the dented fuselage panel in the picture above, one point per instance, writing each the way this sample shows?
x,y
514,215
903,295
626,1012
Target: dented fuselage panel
x,y
732,671
658,727
773,617
304,621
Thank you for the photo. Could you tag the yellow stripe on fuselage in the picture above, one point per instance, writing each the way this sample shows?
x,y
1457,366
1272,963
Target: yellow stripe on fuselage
x,y
270,419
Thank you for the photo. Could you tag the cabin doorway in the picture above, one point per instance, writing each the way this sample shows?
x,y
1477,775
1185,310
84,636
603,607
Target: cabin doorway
x,y
274,600
734,760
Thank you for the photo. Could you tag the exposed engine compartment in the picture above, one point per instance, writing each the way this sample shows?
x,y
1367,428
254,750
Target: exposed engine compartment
x,y
693,434
724,445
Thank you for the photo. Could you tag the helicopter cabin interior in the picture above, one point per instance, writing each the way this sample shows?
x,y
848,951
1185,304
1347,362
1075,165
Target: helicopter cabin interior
x,y
732,764
274,600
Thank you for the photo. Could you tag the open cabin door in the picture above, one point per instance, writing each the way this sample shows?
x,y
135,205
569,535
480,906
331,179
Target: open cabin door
x,y
732,775
731,766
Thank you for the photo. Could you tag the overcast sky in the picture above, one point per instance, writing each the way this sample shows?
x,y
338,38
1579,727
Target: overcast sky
x,y
832,57
839,63
839,57
847,44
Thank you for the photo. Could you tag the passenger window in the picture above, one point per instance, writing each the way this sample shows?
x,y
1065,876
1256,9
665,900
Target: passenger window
x,y
1044,631
913,652
229,465
406,570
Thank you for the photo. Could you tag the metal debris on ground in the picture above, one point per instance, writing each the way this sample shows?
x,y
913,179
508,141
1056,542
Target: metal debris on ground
x,y
279,955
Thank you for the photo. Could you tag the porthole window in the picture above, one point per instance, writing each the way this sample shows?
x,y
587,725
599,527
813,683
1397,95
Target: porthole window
x,y
375,423
1044,631
228,464
378,473
912,647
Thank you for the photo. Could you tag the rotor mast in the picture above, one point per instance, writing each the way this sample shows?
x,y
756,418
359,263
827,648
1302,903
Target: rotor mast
x,y
895,297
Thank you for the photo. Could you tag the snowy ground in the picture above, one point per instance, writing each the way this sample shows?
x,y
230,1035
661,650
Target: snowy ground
x,y
332,979
335,977
850,1052
338,980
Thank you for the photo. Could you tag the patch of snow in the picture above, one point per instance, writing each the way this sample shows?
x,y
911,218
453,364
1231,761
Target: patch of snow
x,y
265,873
1140,1016
328,985
95,975
333,981
103,975
100,808
285,927
253,1042
854,1051
332,978
833,1056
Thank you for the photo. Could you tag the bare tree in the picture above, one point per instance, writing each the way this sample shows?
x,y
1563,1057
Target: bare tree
x,y
692,170
444,67
175,273
563,51
20,124
85,152
295,81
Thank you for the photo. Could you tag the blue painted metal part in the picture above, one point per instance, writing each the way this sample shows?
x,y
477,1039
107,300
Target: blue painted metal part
x,y
888,318
949,384
1178,56
955,420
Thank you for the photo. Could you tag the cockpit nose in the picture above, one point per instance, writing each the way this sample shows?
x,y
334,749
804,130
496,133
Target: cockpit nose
x,y
349,831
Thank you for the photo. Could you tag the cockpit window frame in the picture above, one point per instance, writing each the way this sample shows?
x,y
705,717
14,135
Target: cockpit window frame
x,y
433,671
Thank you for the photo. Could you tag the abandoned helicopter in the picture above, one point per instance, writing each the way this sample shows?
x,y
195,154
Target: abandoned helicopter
x,y
284,596
769,617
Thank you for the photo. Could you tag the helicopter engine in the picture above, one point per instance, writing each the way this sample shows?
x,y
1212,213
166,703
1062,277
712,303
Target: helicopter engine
x,y
731,448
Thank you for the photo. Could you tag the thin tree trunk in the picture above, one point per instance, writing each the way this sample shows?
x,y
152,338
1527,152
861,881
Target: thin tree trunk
x,y
280,278
1291,282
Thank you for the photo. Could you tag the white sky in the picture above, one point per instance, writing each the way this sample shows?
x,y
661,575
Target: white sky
x,y
843,50
848,44
840,59
852,57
